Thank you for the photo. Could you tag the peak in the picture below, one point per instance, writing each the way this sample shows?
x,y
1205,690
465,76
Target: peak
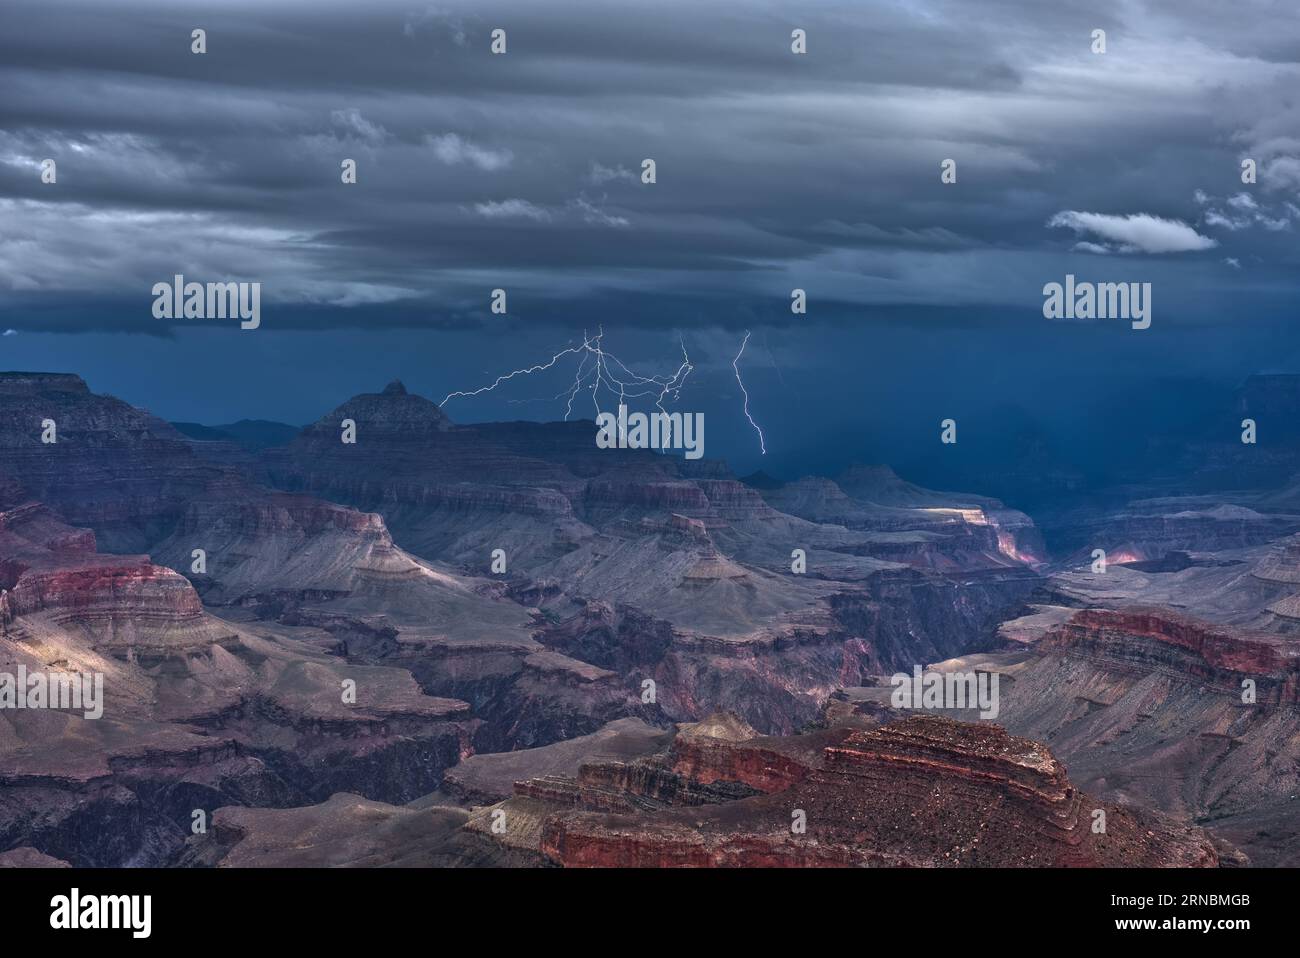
x,y
761,480
393,411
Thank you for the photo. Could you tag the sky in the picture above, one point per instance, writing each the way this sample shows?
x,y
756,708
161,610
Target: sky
x,y
774,171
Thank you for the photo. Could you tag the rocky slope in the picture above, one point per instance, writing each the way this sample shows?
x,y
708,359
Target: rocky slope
x,y
638,588
197,712
1150,706
695,566
921,792
112,467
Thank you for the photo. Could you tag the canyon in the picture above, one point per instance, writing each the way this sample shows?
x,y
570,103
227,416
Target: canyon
x,y
662,665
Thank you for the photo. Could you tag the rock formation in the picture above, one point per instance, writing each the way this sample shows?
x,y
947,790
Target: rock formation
x,y
924,791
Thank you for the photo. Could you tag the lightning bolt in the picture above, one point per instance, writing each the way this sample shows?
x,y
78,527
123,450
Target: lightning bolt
x,y
735,364
511,375
599,369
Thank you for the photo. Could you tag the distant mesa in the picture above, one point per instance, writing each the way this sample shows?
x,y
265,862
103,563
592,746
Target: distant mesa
x,y
35,384
250,434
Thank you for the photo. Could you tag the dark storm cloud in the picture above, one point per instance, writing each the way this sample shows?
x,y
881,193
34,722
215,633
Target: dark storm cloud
x,y
522,171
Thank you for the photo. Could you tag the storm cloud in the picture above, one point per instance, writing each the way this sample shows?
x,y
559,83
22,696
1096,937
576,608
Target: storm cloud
x,y
775,171
522,170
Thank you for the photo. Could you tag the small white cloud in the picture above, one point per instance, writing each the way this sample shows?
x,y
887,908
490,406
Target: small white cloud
x,y
357,126
1215,218
594,215
1283,171
454,150
604,174
10,332
1083,246
506,209
1233,262
1201,197
1136,232
1242,211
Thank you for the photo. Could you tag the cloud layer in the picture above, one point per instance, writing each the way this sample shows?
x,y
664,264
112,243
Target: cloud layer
x,y
775,170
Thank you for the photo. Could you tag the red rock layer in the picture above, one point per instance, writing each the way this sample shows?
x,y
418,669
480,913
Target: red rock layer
x,y
925,791
1159,640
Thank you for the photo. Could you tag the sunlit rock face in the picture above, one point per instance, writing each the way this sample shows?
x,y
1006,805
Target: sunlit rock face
x,y
280,543
946,531
50,572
